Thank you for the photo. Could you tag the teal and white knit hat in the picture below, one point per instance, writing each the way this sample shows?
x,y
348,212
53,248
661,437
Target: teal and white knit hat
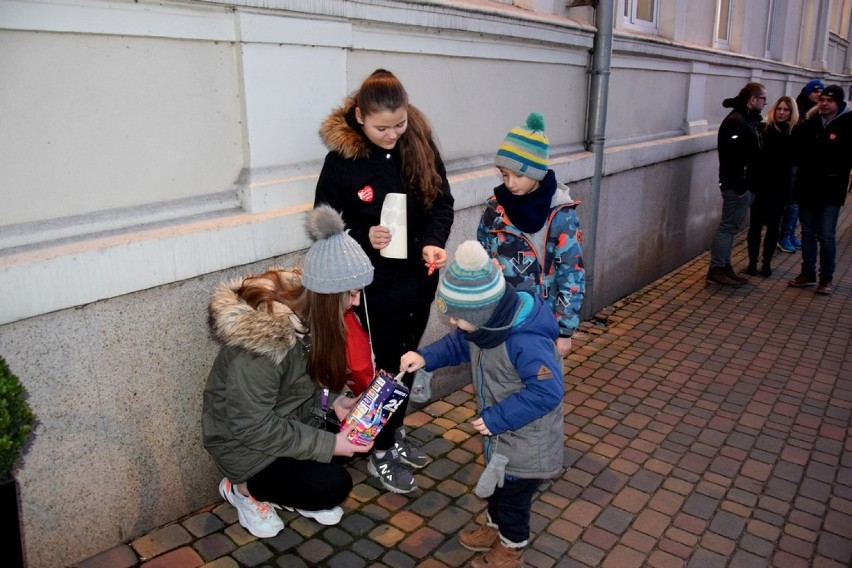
x,y
472,286
525,150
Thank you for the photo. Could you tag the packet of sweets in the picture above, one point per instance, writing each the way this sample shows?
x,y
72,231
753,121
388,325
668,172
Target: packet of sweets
x,y
374,406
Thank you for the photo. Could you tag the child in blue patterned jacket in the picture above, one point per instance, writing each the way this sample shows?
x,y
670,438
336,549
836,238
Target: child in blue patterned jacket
x,y
508,337
530,226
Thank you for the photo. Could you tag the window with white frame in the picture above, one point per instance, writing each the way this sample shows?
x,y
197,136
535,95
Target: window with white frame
x,y
640,15
722,34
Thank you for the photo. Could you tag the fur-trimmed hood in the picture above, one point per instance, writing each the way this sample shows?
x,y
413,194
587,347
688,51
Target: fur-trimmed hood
x,y
236,324
342,134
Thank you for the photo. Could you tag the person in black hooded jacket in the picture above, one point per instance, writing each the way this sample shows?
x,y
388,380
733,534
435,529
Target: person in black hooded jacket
x,y
805,101
823,157
740,159
379,145
776,189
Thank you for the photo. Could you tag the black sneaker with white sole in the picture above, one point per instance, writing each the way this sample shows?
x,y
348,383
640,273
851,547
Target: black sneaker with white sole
x,y
392,472
409,452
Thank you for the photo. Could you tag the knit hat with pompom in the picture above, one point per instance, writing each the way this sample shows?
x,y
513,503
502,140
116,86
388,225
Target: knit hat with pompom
x,y
472,286
335,263
525,149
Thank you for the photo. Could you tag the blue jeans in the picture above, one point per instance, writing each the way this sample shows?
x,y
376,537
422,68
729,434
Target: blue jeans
x,y
819,225
734,209
789,221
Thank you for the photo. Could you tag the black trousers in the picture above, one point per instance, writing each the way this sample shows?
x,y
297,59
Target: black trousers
x,y
509,507
302,484
392,335
765,211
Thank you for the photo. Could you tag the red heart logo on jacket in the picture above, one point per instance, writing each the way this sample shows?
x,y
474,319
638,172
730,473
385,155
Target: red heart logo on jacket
x,y
366,194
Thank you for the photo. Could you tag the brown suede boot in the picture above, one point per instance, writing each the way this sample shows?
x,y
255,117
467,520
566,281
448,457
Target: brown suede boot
x,y
479,539
500,557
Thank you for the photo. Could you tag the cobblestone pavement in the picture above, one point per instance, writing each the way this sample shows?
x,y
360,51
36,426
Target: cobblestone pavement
x,y
705,427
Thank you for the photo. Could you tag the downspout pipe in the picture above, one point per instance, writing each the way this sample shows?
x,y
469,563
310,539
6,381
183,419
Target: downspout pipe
x,y
595,136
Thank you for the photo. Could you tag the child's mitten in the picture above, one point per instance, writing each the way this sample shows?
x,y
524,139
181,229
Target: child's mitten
x,y
421,387
493,476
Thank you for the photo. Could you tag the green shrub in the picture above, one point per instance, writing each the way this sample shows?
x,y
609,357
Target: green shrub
x,y
16,418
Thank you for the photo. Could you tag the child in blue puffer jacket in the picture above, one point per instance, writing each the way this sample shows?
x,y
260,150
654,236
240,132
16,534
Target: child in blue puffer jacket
x,y
508,337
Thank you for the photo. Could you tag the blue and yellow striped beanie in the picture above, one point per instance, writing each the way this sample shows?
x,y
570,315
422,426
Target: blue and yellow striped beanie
x,y
472,287
525,149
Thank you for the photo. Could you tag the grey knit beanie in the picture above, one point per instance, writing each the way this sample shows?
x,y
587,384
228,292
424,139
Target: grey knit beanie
x,y
472,286
335,263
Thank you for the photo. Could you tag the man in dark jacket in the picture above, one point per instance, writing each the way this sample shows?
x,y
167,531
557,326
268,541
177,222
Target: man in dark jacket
x,y
823,156
740,150
809,97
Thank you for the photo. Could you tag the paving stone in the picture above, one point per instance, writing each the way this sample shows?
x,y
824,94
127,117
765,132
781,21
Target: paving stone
x,y
366,548
203,524
550,545
346,559
675,548
121,556
662,559
255,553
700,506
397,559
727,525
450,520
161,540
228,562
183,557
421,542
706,559
214,546
743,559
614,520
586,554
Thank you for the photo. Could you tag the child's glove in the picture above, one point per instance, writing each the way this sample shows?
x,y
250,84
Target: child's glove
x,y
492,477
421,387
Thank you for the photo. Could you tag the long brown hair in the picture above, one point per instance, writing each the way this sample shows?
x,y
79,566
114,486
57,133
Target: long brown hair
x,y
382,91
263,291
327,360
322,315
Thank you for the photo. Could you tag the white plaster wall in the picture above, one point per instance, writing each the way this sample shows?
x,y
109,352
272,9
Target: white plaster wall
x,y
93,122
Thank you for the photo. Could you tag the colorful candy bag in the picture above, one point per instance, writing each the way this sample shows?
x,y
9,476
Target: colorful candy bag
x,y
373,408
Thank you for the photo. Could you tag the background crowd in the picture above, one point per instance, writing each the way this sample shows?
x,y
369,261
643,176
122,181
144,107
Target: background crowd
x,y
791,168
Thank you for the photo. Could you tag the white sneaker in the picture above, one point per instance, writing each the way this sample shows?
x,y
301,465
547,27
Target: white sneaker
x,y
257,517
323,517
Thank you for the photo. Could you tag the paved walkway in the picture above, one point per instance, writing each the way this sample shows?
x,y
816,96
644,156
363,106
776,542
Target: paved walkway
x,y
705,427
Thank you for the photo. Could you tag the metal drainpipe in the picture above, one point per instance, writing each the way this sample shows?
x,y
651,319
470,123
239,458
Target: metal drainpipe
x,y
595,135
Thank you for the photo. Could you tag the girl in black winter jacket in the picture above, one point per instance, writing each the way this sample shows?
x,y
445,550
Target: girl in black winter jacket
x,y
380,144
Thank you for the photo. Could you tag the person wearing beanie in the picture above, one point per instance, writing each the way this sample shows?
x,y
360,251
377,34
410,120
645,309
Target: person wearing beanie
x,y
808,97
278,375
806,102
823,157
740,172
381,147
517,382
530,225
